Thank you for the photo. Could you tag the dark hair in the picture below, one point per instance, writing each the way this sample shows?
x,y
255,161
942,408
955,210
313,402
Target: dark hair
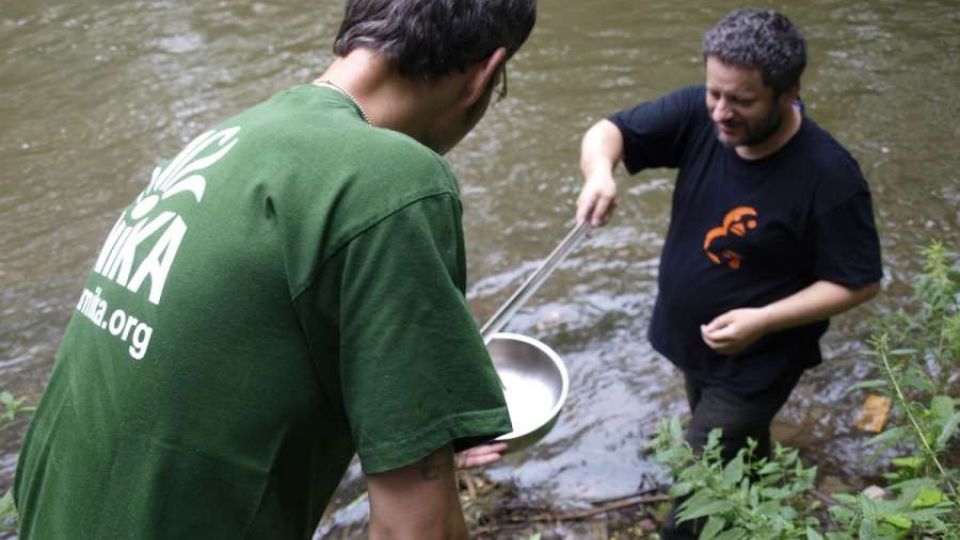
x,y
763,39
427,39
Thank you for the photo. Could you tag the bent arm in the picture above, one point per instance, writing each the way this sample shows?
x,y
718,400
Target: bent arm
x,y
737,329
419,501
821,300
600,151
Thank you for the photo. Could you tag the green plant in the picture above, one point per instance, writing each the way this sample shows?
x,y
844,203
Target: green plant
x,y
916,352
768,498
912,509
747,497
8,513
12,407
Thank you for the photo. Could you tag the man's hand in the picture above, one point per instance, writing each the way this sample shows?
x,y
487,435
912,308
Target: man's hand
x,y
597,200
478,456
600,151
735,330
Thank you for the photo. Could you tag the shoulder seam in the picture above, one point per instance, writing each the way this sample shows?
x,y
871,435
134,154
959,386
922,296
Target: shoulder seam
x,y
373,222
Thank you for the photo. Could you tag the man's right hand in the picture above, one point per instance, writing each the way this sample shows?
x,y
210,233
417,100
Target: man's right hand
x,y
597,200
600,151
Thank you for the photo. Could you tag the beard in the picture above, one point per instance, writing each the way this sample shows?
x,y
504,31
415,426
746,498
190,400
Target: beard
x,y
754,133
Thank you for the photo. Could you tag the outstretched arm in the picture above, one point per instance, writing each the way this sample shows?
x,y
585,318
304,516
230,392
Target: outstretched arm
x,y
419,501
737,329
600,151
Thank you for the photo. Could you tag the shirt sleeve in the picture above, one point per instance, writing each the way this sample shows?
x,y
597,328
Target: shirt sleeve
x,y
847,248
415,372
654,133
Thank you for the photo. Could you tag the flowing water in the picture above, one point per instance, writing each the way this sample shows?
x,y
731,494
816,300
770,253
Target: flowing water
x,y
94,93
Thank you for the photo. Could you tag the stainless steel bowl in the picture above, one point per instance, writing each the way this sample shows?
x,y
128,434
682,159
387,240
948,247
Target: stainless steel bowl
x,y
535,385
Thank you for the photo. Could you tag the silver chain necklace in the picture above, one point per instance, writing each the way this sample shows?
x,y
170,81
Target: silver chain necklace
x,y
343,91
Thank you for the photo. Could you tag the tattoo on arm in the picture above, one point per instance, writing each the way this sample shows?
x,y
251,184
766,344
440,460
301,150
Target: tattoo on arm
x,y
433,467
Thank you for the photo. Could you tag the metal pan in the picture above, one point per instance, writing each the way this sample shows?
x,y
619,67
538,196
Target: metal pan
x,y
535,385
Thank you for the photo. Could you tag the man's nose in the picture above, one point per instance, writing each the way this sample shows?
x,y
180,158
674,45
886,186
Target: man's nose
x,y
722,111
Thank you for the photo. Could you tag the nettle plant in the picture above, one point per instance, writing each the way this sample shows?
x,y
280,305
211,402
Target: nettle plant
x,y
745,498
11,408
916,353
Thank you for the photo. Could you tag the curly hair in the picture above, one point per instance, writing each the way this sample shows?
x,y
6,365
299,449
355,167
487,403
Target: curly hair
x,y
427,39
763,39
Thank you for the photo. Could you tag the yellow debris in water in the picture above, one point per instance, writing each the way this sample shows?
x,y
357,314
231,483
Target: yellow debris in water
x,y
874,413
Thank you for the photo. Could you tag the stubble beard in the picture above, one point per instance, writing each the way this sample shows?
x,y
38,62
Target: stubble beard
x,y
754,136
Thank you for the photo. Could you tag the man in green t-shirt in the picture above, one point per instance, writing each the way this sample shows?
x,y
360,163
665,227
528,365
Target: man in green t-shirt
x,y
286,292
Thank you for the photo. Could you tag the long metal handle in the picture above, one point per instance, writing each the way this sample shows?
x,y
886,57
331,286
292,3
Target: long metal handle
x,y
507,310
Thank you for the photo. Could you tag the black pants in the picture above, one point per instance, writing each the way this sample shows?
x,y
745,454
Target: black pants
x,y
740,416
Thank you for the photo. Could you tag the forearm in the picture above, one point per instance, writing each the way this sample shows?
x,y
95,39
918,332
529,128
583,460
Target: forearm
x,y
601,149
737,329
417,502
821,300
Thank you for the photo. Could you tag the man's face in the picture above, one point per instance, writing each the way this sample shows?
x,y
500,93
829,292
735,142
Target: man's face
x,y
743,109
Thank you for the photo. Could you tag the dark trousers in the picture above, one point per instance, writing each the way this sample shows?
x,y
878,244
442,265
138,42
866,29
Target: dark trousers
x,y
740,416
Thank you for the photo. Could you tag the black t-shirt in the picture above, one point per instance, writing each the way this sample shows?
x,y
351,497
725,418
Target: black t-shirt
x,y
746,233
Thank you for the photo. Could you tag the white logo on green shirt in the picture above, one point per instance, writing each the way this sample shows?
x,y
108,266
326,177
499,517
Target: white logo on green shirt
x,y
118,260
159,232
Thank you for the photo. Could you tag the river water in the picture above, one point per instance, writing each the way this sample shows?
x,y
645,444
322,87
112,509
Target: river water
x,y
94,93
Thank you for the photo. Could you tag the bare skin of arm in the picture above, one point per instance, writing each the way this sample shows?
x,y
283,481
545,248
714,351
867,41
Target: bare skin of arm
x,y
600,151
417,502
736,329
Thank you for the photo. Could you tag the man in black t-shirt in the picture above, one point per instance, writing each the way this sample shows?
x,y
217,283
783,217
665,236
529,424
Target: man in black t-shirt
x,y
771,230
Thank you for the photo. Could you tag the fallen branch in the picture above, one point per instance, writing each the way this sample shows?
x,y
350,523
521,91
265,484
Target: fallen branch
x,y
591,512
634,495
519,521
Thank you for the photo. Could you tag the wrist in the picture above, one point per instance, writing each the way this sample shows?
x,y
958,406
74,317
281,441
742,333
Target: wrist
x,y
769,319
597,171
599,178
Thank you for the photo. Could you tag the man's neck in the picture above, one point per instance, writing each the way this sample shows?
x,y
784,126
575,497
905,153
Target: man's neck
x,y
390,100
792,119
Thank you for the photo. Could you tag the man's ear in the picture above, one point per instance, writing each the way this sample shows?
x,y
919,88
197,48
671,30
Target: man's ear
x,y
480,77
790,95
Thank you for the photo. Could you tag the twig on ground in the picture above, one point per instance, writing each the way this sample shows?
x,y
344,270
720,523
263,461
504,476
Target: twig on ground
x,y
547,516
634,495
543,516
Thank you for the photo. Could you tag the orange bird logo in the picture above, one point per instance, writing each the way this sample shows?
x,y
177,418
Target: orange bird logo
x,y
737,222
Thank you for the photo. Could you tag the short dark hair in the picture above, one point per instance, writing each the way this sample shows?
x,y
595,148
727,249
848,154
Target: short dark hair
x,y
763,39
427,39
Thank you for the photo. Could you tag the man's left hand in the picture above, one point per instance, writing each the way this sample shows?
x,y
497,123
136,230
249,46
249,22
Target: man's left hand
x,y
735,330
479,456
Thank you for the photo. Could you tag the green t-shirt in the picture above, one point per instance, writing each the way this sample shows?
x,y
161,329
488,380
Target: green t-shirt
x,y
287,291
